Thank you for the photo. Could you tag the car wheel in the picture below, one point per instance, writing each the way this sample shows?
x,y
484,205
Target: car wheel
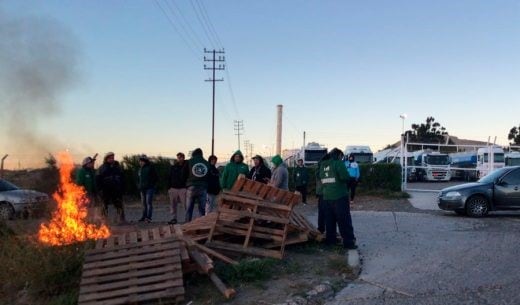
x,y
460,212
477,206
6,211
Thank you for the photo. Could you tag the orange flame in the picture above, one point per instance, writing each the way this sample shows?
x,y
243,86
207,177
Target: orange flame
x,y
68,224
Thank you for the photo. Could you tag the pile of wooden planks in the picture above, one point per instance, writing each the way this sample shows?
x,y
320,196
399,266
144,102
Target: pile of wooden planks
x,y
145,266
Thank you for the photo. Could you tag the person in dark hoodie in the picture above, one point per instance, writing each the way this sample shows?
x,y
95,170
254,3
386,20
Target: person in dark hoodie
x,y
334,177
111,184
179,173
259,172
146,181
197,183
213,184
301,179
235,167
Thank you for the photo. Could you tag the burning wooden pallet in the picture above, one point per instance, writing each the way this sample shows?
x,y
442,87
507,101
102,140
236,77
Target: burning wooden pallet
x,y
263,217
145,266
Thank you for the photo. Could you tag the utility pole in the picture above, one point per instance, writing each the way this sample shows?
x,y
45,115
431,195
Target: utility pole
x,y
239,127
213,68
246,147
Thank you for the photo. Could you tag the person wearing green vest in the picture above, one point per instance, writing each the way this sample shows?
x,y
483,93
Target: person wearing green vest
x,y
86,177
235,167
334,177
301,179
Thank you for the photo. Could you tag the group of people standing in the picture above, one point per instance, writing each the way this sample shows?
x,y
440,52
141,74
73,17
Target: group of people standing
x,y
334,179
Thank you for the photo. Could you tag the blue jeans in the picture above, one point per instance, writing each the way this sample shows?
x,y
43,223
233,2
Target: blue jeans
x,y
338,212
146,200
195,193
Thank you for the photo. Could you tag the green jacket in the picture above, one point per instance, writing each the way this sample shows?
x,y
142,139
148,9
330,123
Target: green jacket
x,y
334,177
301,176
199,169
319,187
86,177
232,170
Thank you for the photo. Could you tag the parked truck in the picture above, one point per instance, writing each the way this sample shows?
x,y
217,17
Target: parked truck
x,y
512,158
311,153
488,159
464,165
362,154
431,166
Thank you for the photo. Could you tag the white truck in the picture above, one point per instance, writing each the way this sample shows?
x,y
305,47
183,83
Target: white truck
x,y
362,154
431,166
488,159
512,158
312,153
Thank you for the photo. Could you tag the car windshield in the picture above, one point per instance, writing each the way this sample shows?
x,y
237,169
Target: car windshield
x,y
7,186
494,175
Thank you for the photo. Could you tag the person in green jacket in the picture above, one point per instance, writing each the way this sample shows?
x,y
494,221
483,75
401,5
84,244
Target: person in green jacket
x,y
86,177
235,167
197,183
334,177
301,179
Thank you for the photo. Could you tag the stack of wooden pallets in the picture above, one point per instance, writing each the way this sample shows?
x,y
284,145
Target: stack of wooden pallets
x,y
257,219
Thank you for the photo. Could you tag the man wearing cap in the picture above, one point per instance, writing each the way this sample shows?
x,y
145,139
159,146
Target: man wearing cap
x,y
179,173
259,172
301,179
280,177
111,183
146,181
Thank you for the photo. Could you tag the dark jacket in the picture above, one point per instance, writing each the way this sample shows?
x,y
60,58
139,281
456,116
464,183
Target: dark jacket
x,y
147,177
213,180
198,170
301,176
260,173
334,177
110,178
179,174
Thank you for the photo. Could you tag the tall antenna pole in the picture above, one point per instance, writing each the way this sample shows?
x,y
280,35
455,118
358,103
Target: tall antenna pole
x,y
279,130
214,68
239,127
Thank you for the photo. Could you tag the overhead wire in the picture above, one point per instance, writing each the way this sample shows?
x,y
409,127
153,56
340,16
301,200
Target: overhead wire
x,y
203,25
193,38
205,16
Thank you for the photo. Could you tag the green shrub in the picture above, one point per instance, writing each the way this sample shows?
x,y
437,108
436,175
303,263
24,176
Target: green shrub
x,y
380,176
130,166
248,271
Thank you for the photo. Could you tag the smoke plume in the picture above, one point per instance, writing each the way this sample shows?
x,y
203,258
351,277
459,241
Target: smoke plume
x,y
38,59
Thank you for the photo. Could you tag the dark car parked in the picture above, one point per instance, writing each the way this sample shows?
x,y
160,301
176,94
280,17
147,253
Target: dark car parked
x,y
499,190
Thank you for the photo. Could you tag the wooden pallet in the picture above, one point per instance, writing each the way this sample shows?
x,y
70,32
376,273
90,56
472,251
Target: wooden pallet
x,y
263,216
132,272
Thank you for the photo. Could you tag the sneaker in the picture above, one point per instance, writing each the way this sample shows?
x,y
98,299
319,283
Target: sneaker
x,y
142,220
172,222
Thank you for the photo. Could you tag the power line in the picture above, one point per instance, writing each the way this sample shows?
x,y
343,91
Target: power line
x,y
208,22
193,38
193,51
189,27
197,14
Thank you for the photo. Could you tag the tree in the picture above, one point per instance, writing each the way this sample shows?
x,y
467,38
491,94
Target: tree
x,y
429,132
514,135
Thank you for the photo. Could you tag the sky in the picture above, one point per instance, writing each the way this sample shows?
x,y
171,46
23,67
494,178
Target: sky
x,y
343,70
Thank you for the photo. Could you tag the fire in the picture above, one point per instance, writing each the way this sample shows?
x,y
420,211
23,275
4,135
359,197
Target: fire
x,y
68,224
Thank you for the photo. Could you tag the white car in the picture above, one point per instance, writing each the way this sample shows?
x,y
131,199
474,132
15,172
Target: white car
x,y
14,200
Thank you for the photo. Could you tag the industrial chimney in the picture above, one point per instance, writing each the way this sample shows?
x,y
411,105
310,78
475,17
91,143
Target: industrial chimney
x,y
279,130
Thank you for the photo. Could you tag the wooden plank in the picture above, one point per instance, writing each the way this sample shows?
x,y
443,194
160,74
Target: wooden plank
x,y
132,251
176,294
130,273
134,290
133,281
257,187
133,258
257,216
250,229
264,191
100,243
143,265
156,233
133,237
250,250
239,183
94,252
253,202
110,242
